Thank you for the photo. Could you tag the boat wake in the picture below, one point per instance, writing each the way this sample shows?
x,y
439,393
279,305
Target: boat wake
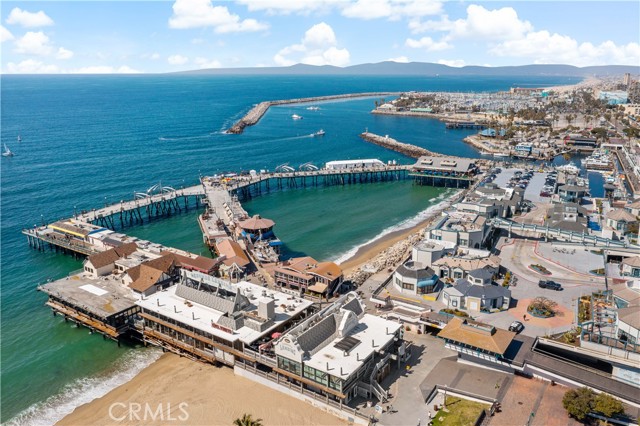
x,y
185,138
85,390
440,201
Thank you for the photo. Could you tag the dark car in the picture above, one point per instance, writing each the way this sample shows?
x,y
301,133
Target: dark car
x,y
516,326
551,285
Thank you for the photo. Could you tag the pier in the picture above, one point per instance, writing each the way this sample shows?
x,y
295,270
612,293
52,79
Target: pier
x,y
255,114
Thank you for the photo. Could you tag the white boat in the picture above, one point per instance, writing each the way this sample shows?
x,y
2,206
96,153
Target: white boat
x,y
7,152
313,108
318,133
571,168
19,138
500,155
296,117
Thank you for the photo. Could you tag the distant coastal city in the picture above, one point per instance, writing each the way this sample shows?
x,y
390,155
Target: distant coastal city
x,y
513,300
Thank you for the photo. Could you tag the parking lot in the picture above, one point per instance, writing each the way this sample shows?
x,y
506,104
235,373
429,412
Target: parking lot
x,y
533,182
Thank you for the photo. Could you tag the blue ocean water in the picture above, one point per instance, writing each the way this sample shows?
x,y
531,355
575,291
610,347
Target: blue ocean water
x,y
91,140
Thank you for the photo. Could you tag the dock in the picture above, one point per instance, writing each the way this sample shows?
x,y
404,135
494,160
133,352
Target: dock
x,y
255,114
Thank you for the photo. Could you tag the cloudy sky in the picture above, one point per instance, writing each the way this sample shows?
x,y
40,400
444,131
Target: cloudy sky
x,y
165,36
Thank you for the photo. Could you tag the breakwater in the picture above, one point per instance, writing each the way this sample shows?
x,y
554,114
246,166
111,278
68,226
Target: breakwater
x,y
255,114
401,147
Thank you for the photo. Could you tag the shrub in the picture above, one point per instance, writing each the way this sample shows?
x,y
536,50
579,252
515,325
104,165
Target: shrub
x,y
578,402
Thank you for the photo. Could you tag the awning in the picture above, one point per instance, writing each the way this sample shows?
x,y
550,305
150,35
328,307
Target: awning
x,y
318,288
426,283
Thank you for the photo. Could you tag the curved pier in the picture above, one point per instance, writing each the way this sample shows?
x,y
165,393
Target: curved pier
x,y
256,113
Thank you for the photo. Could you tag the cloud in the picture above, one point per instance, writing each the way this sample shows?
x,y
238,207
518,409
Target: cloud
x,y
359,9
26,19
177,60
104,69
31,66
154,56
456,63
286,7
317,47
5,34
64,53
201,13
480,23
392,9
399,59
33,43
543,47
206,63
428,44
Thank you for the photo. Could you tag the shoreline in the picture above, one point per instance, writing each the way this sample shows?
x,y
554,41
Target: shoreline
x,y
180,391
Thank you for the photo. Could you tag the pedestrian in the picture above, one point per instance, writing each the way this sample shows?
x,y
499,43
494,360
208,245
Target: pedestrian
x,y
524,317
429,414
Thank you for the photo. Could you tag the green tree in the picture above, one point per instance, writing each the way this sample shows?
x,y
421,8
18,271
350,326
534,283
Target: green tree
x,y
608,405
578,402
247,420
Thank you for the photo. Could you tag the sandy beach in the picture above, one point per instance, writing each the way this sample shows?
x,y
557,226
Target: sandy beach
x,y
193,393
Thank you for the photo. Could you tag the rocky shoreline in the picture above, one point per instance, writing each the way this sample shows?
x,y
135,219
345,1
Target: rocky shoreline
x,y
401,147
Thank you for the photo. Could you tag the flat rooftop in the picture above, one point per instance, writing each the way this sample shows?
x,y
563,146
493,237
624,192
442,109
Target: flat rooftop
x,y
372,333
103,297
195,315
462,221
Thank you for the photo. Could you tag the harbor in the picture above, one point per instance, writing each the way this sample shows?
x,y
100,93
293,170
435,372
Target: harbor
x,y
254,115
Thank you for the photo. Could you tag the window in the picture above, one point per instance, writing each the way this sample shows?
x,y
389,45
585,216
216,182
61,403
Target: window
x,y
316,375
407,286
289,365
454,303
398,282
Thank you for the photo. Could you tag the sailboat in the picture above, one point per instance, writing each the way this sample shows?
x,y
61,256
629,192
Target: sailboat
x,y
7,152
19,138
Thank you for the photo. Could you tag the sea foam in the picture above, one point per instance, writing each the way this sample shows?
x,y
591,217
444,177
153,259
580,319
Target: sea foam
x,y
85,390
441,200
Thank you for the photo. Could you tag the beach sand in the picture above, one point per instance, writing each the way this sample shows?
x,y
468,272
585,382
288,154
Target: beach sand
x,y
214,396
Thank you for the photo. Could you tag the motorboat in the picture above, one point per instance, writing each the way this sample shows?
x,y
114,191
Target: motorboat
x,y
313,108
296,117
318,133
7,152
500,155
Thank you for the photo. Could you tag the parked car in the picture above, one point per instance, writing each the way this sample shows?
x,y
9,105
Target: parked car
x,y
516,326
551,285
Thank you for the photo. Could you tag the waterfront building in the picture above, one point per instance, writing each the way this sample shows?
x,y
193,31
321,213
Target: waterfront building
x,y
630,267
524,148
428,251
474,340
632,109
104,263
257,228
415,278
619,222
568,217
152,275
214,320
457,267
307,274
477,293
354,164
445,166
233,259
572,193
462,228
581,141
340,351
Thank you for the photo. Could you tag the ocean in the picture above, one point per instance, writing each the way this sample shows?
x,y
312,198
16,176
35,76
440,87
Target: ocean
x,y
91,140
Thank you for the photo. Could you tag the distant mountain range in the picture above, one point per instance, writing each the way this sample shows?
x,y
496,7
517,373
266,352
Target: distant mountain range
x,y
429,69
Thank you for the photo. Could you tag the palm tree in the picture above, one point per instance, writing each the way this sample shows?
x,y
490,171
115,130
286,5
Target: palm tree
x,y
247,420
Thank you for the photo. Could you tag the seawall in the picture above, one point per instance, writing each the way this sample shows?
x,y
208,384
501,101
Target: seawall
x,y
401,147
256,113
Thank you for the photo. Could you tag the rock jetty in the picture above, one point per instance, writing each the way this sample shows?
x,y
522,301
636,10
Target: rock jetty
x,y
256,113
401,147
